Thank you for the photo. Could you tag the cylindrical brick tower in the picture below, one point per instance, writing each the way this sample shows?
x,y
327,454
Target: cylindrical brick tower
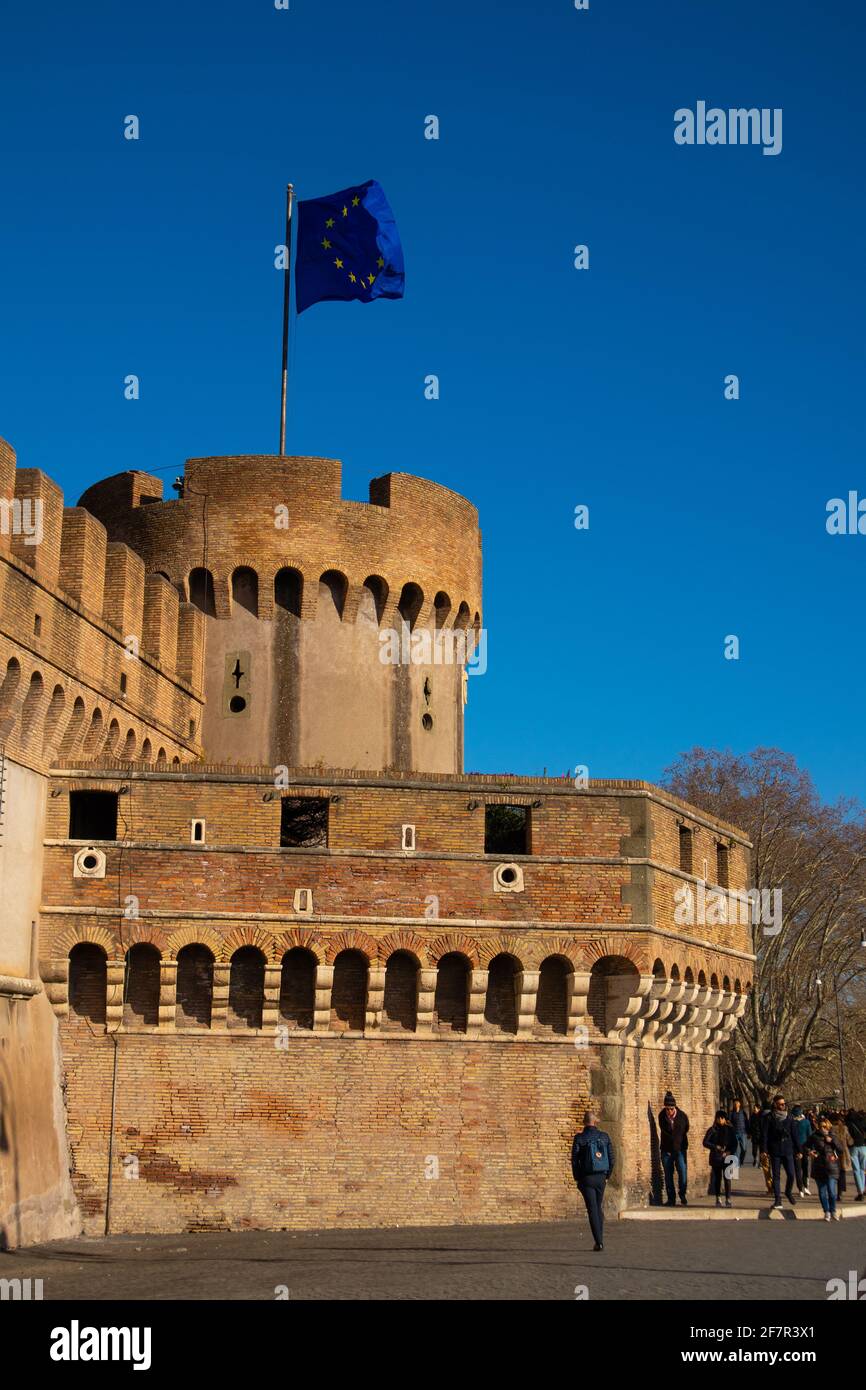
x,y
335,629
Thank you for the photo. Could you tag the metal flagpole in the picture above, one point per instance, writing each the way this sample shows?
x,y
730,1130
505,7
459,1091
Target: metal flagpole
x,y
287,290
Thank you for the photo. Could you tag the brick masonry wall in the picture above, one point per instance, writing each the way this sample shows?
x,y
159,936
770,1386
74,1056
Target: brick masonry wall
x,y
233,1133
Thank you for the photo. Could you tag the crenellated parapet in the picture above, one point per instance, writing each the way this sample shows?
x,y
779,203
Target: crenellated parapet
x,y
94,655
337,632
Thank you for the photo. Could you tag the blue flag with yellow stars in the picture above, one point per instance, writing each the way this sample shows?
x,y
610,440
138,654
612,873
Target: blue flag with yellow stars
x,y
348,248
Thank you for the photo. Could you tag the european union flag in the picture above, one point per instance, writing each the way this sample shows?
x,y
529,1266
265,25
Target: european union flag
x,y
348,248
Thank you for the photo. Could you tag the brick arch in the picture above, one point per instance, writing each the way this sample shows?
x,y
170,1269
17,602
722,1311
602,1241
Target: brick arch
x,y
299,936
350,940
632,951
98,936
504,945
558,946
145,934
239,937
9,696
457,942
195,936
403,940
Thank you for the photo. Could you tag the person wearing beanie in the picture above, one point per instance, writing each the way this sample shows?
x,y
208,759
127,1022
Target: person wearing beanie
x,y
722,1141
674,1146
778,1142
592,1160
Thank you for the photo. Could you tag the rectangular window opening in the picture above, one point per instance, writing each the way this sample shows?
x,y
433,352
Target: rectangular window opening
x,y
93,815
303,822
685,849
722,866
506,829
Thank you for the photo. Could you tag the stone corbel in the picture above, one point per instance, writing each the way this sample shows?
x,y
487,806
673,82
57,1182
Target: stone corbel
x,y
527,994
426,1002
375,998
167,995
477,998
322,1001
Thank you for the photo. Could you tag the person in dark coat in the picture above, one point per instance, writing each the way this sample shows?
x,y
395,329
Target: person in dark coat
x,y
856,1123
802,1131
826,1154
592,1160
739,1122
722,1141
755,1133
779,1143
674,1146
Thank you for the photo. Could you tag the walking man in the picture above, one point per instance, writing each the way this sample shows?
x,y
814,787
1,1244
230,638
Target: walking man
x,y
855,1121
778,1142
592,1160
674,1145
740,1125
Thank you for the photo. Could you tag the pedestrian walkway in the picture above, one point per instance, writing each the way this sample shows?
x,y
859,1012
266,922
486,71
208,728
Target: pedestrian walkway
x,y
749,1198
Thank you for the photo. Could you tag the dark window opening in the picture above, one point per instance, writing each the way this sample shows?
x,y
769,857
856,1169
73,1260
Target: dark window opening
x,y
37,625
93,815
201,591
288,590
722,866
303,821
685,849
506,829
123,685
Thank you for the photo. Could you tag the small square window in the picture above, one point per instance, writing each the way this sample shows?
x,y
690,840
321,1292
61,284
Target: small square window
x,y
303,822
506,829
93,815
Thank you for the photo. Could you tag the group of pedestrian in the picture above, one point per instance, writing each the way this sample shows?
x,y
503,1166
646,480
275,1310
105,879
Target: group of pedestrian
x,y
825,1146
806,1144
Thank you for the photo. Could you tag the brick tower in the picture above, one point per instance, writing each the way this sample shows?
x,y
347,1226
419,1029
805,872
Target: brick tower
x,y
300,590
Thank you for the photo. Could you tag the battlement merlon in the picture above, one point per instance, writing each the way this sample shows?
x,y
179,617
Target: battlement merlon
x,y
290,511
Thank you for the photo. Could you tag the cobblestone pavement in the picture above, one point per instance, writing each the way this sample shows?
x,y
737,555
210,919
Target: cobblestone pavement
x,y
661,1260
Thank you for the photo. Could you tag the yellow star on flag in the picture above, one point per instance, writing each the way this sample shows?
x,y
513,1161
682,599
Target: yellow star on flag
x,y
330,222
326,243
352,277
338,263
355,202
345,212
381,263
370,279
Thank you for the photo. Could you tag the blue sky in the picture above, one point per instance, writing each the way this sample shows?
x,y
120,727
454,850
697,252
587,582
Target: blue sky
x,y
558,387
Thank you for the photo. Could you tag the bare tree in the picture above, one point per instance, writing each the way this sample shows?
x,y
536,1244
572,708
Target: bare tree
x,y
815,854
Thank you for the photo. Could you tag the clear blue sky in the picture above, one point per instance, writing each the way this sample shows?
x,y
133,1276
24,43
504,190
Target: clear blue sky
x,y
558,387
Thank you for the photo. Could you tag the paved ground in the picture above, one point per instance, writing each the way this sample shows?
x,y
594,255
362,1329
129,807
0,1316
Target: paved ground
x,y
667,1260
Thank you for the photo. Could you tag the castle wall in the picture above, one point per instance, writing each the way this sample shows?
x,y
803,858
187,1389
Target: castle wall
x,y
228,1122
237,1134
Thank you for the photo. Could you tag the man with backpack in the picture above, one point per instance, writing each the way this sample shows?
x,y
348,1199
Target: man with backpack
x,y
592,1160
855,1123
